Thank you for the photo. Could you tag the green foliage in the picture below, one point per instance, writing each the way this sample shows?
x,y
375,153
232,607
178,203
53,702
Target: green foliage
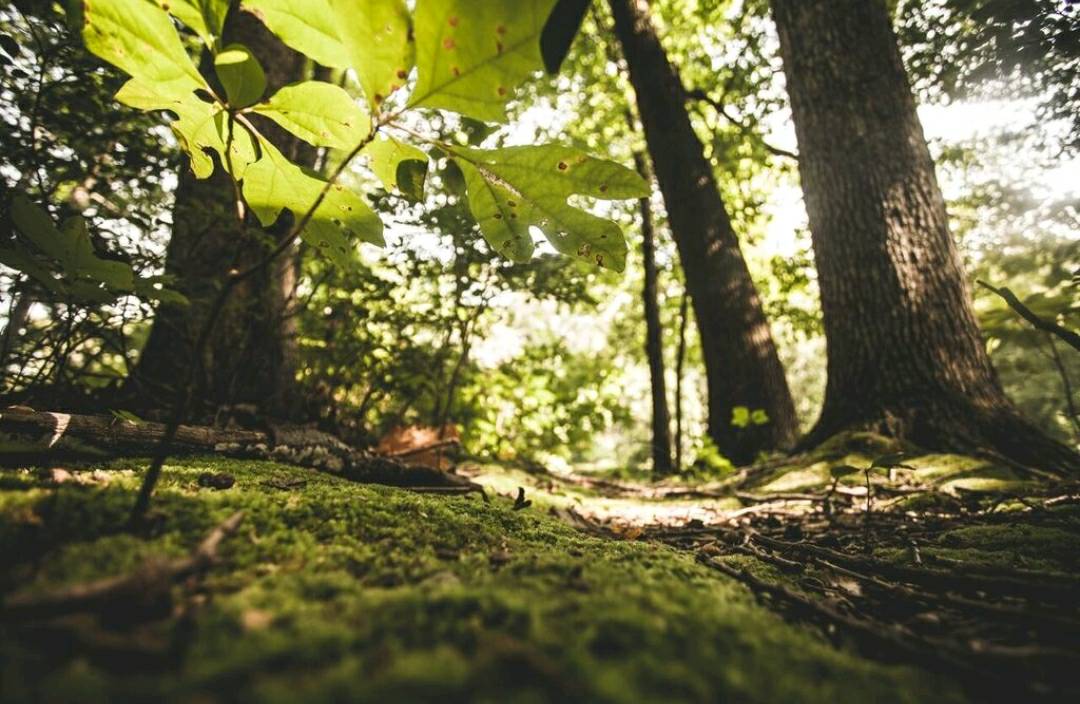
x,y
64,262
515,188
400,167
273,183
240,75
373,38
319,113
470,57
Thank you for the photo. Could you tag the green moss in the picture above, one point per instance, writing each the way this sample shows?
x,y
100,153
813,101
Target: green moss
x,y
335,591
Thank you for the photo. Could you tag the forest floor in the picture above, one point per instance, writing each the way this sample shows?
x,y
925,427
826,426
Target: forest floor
x,y
773,584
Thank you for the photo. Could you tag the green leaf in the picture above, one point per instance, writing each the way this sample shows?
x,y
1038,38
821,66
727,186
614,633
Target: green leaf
x,y
139,38
373,37
241,75
471,56
83,261
377,34
843,470
319,113
401,167
205,17
515,188
308,26
890,461
84,274
200,127
273,183
740,416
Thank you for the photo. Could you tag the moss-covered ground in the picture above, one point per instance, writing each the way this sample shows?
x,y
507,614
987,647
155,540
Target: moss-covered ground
x,y
333,591
336,591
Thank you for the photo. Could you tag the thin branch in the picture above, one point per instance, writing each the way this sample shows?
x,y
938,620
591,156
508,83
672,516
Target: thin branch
x,y
1070,337
699,94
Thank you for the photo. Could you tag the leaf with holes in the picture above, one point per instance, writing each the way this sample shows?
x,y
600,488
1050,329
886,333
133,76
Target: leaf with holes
x,y
273,184
515,188
319,113
470,56
139,38
200,127
241,75
373,37
401,167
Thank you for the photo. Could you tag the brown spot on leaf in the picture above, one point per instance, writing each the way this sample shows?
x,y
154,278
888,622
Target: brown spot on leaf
x,y
453,21
455,70
563,166
402,74
500,29
603,188
449,44
498,216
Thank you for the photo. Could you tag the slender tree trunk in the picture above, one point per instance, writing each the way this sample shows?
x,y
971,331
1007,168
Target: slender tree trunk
x,y
251,357
680,361
904,351
741,363
654,346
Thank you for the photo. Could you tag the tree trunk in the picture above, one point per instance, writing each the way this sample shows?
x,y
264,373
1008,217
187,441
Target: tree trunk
x,y
654,347
680,361
905,355
741,364
251,355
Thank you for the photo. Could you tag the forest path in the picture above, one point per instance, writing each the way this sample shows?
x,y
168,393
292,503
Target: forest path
x,y
955,563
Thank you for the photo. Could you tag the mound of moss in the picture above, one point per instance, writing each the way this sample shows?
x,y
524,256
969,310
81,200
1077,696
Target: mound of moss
x,y
334,591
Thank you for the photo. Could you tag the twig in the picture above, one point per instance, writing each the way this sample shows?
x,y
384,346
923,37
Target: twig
x,y
1070,337
152,578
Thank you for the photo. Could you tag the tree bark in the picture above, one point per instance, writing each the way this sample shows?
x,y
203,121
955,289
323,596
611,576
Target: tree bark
x,y
741,363
654,346
905,356
251,355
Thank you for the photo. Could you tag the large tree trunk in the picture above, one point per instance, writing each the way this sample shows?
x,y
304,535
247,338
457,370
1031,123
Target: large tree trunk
x,y
251,355
904,351
654,346
741,364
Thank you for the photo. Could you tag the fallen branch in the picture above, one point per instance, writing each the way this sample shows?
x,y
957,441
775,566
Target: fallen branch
x,y
144,586
44,435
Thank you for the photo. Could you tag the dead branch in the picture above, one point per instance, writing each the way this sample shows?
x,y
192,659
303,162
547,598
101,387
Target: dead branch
x,y
149,581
